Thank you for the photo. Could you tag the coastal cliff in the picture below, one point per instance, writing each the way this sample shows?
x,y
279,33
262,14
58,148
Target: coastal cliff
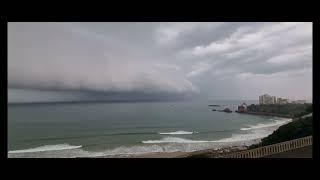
x,y
280,110
299,128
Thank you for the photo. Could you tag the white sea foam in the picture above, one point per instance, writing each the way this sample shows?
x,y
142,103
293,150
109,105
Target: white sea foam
x,y
178,132
173,140
254,134
258,134
56,147
235,138
267,125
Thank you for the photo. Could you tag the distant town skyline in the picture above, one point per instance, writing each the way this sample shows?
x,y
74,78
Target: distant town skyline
x,y
159,61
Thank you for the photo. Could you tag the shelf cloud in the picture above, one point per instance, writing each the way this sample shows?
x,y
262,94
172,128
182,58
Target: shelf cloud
x,y
159,60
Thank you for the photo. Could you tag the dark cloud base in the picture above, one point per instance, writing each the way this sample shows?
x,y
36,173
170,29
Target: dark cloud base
x,y
165,61
74,96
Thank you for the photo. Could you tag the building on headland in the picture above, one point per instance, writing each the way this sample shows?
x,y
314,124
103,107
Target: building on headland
x,y
267,99
299,102
282,101
242,108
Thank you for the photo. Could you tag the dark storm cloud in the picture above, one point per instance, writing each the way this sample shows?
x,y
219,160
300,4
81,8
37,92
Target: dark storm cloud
x,y
59,56
160,60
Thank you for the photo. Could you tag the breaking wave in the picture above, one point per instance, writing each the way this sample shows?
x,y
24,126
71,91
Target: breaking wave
x,y
173,140
56,147
178,132
267,125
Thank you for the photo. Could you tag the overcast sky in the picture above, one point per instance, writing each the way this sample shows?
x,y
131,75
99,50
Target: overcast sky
x,y
158,61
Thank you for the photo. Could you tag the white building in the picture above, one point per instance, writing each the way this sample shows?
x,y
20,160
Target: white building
x,y
267,99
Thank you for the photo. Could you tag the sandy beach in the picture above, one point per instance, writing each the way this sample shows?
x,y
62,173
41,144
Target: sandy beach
x,y
162,155
200,153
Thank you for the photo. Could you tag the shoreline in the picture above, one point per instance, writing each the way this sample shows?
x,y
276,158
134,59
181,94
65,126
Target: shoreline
x,y
267,114
181,154
206,153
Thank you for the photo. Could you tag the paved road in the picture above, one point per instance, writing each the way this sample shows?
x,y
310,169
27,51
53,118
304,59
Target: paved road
x,y
305,152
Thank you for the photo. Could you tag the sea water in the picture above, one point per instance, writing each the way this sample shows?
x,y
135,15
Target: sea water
x,y
94,129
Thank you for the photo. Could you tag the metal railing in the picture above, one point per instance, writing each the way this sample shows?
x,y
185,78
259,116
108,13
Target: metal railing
x,y
271,149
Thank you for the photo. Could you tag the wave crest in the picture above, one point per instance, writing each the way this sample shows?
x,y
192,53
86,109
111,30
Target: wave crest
x,y
267,125
174,140
178,132
56,147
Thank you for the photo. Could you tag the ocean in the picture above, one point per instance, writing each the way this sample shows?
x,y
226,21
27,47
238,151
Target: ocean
x,y
94,129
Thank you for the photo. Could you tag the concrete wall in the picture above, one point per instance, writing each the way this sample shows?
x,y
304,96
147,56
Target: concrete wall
x,y
272,149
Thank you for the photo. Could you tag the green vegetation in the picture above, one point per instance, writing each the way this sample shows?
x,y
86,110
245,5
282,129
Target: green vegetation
x,y
202,155
307,111
293,130
291,110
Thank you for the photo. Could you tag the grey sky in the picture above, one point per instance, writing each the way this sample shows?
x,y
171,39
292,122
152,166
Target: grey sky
x,y
241,60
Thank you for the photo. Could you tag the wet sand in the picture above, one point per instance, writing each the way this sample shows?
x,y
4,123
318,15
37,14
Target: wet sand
x,y
201,153
162,155
305,152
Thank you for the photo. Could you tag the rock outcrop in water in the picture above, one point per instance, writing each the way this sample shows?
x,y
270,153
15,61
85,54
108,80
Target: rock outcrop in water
x,y
214,105
227,110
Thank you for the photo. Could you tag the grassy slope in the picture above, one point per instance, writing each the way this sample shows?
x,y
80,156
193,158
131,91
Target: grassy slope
x,y
293,130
